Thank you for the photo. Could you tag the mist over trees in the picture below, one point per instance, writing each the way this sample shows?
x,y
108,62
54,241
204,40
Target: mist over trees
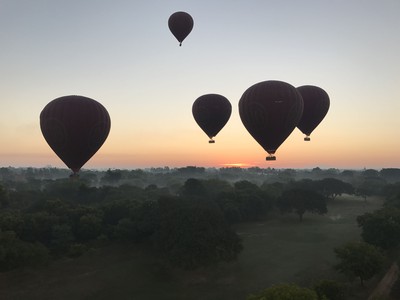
x,y
187,216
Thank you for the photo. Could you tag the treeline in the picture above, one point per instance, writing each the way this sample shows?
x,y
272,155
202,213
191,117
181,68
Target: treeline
x,y
187,224
190,225
367,179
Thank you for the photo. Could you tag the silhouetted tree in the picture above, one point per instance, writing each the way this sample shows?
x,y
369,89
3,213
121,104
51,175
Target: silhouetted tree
x,y
112,177
331,188
359,259
390,174
285,292
89,227
15,253
300,201
194,233
392,195
330,290
194,188
371,173
3,197
381,228
252,202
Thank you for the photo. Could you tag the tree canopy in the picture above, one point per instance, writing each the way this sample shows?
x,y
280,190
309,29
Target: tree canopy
x,y
300,201
285,292
381,228
359,259
194,233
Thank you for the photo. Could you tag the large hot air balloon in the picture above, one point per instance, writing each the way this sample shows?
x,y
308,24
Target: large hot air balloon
x,y
270,110
211,113
75,127
316,106
180,24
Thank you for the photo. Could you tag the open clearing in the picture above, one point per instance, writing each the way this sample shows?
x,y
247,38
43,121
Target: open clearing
x,y
277,250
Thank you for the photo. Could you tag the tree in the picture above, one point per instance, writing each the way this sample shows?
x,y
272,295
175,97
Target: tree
x,y
15,253
371,173
285,292
330,289
392,174
194,233
252,202
331,188
89,227
392,194
3,197
381,228
359,259
300,201
112,177
194,188
370,186
364,190
215,187
229,207
62,238
142,223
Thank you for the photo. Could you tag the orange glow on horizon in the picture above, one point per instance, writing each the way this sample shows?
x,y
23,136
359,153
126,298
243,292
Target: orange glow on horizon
x,y
239,165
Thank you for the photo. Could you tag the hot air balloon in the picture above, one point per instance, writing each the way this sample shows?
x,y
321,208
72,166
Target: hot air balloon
x,y
75,127
316,106
211,112
180,24
270,110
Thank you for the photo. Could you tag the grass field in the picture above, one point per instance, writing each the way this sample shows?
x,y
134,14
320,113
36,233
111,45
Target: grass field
x,y
277,250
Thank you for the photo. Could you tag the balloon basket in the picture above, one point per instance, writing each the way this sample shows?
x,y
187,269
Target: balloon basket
x,y
211,141
307,139
271,157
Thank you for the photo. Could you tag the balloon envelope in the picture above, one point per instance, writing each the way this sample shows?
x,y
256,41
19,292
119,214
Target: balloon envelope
x,y
180,24
270,110
75,127
316,106
211,112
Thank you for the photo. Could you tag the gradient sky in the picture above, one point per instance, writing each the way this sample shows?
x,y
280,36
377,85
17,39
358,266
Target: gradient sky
x,y
122,54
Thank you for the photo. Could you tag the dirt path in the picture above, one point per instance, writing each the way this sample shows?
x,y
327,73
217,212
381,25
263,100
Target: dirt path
x,y
384,286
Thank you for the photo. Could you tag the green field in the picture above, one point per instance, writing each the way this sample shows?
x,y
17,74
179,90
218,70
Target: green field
x,y
280,249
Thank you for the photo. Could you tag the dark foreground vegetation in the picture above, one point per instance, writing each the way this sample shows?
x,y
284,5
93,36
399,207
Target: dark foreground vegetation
x,y
203,221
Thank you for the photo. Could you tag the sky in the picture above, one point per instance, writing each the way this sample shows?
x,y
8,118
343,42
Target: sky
x,y
122,54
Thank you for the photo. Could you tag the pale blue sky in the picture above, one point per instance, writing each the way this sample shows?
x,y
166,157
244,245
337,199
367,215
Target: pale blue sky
x,y
122,54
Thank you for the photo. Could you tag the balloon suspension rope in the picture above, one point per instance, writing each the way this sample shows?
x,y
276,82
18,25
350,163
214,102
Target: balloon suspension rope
x,y
74,176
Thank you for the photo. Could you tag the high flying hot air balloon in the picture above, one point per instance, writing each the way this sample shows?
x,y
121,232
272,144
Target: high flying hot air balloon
x,y
316,106
270,110
211,112
180,24
75,127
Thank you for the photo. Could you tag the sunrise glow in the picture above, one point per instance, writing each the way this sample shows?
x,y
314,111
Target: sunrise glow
x,y
148,83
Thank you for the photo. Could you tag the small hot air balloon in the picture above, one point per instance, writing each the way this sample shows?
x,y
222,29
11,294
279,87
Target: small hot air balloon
x,y
180,24
75,127
270,111
211,112
316,106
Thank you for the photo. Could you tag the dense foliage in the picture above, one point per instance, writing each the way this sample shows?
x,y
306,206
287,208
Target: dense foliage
x,y
381,228
300,201
184,213
285,292
186,216
330,289
360,260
